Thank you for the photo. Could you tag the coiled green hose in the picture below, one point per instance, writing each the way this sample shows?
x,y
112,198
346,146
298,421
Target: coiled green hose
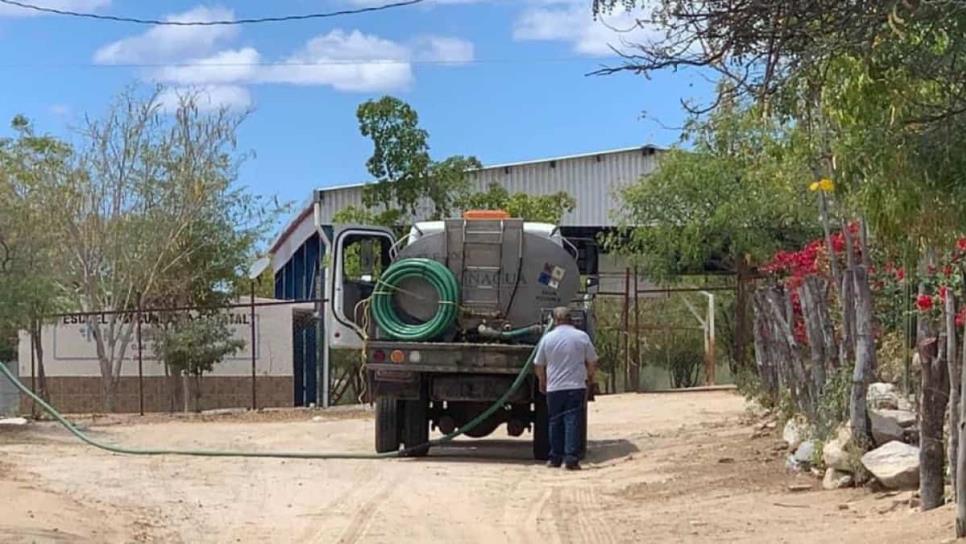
x,y
447,291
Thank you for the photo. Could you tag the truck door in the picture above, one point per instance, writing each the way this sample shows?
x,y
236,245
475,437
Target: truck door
x,y
359,256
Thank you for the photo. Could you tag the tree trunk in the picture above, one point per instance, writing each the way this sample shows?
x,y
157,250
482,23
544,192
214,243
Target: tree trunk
x,y
37,344
933,398
960,488
185,393
198,392
847,300
864,359
955,384
742,321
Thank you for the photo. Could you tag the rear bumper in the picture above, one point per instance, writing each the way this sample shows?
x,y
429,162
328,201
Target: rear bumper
x,y
447,371
448,357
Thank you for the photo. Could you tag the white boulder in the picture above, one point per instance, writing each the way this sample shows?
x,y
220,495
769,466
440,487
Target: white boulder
x,y
904,418
885,429
882,395
834,452
895,464
836,479
794,433
13,421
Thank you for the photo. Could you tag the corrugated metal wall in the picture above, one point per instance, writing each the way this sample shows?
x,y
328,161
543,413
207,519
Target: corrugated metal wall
x,y
593,180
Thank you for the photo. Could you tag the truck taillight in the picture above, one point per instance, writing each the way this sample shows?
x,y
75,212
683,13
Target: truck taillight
x,y
378,356
415,356
397,356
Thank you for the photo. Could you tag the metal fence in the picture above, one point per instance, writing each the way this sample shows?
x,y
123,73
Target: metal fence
x,y
268,340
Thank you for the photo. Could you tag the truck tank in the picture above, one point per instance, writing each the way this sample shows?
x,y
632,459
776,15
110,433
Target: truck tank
x,y
509,271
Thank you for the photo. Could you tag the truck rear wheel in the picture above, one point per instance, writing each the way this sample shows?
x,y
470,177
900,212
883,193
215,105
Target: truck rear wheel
x,y
541,428
415,427
387,424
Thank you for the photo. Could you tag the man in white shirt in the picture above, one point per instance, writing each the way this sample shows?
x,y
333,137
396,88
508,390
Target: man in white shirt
x,y
565,364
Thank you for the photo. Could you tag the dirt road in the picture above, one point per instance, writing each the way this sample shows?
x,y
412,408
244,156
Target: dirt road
x,y
662,468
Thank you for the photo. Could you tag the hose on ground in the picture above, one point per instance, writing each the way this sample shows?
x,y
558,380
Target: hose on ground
x,y
447,291
497,405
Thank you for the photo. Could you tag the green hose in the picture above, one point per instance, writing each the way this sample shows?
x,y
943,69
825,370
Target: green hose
x,y
497,405
447,291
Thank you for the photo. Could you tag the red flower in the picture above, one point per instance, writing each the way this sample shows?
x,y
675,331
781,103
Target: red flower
x,y
961,317
924,303
900,274
961,244
948,270
942,292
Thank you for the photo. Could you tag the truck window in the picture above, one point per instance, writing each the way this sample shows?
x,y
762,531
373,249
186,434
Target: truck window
x,y
364,257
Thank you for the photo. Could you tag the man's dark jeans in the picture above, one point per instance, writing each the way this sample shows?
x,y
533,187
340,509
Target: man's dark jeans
x,y
565,408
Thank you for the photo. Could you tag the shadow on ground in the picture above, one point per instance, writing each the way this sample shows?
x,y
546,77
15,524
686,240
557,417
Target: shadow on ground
x,y
521,451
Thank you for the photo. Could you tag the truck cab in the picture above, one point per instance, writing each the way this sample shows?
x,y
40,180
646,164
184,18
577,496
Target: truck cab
x,y
509,275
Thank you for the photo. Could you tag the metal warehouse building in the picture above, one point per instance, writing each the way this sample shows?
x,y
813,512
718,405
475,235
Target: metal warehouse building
x,y
593,179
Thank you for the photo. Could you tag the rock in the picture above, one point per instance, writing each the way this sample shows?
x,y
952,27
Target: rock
x,y
794,433
885,429
882,395
318,418
903,418
13,421
836,479
834,452
795,488
895,465
805,452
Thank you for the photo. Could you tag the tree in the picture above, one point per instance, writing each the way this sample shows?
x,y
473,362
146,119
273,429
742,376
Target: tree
x,y
28,247
406,178
192,346
543,208
733,198
152,211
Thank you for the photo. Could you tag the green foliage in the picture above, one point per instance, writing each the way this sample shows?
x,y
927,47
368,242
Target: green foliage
x,y
192,346
543,208
833,405
405,175
739,192
682,355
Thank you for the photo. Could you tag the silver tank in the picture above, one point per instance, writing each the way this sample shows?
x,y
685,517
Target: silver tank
x,y
508,271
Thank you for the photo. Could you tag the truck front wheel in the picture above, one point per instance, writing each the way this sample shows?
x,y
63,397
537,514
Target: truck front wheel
x,y
387,424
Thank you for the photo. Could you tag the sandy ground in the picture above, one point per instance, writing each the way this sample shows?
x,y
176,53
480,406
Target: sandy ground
x,y
686,467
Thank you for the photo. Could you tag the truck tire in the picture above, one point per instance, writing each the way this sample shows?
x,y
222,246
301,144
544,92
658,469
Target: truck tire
x,y
415,427
387,424
541,428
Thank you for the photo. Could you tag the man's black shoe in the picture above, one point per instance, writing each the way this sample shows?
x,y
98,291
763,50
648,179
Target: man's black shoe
x,y
573,466
553,464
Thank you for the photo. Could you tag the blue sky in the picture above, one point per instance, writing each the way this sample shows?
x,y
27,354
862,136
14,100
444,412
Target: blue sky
x,y
503,80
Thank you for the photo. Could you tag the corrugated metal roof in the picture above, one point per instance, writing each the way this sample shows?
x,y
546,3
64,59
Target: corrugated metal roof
x,y
593,179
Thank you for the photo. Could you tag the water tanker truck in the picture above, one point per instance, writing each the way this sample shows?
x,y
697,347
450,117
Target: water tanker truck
x,y
446,319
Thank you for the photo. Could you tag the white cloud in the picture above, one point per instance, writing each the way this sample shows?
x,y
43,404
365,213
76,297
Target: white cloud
x,y
7,10
567,21
229,66
346,61
207,97
167,43
443,49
